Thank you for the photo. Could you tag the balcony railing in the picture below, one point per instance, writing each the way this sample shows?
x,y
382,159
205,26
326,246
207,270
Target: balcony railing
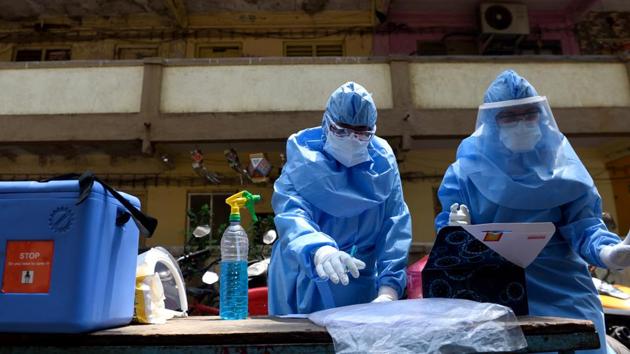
x,y
171,100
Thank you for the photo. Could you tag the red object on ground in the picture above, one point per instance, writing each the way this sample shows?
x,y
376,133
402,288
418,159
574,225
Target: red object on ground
x,y
197,309
257,299
414,278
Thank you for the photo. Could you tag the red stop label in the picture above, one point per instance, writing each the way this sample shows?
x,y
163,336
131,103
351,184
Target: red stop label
x,y
28,267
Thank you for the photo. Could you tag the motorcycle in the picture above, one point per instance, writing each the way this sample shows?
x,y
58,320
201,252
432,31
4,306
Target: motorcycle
x,y
257,275
616,304
615,299
204,299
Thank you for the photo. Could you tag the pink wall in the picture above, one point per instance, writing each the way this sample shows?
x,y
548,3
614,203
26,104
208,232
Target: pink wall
x,y
433,26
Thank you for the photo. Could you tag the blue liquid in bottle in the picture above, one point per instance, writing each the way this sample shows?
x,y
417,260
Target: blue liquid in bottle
x,y
233,280
234,294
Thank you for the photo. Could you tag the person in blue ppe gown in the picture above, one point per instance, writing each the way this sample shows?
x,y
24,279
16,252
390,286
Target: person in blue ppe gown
x,y
343,226
518,167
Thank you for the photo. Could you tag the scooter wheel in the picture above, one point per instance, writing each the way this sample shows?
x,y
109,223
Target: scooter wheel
x,y
622,334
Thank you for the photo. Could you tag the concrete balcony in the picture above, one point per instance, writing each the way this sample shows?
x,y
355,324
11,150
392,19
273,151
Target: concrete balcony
x,y
180,100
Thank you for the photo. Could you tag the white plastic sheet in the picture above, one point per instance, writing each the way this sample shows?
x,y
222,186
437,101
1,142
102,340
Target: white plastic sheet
x,y
422,326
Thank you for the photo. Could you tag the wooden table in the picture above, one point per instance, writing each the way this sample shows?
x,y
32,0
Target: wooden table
x,y
259,335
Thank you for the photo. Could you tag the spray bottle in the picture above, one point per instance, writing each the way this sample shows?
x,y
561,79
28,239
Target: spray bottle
x,y
234,247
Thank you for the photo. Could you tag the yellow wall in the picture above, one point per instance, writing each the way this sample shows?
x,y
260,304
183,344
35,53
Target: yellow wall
x,y
354,45
169,203
6,51
419,192
596,165
419,199
620,171
243,28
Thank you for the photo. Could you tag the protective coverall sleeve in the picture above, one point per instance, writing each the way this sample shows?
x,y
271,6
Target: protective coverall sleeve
x,y
393,245
584,229
448,194
299,235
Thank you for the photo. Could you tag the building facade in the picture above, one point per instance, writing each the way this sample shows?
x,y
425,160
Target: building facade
x,y
130,89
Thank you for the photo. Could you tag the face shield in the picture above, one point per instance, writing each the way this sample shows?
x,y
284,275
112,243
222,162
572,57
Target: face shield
x,y
517,126
518,158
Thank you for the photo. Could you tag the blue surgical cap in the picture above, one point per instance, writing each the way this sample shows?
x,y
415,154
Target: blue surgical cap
x,y
351,104
509,86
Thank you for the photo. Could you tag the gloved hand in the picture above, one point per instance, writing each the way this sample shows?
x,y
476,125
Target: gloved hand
x,y
616,257
459,215
330,263
385,293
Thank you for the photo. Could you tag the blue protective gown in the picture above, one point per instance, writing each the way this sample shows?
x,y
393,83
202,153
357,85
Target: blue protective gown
x,y
318,202
549,184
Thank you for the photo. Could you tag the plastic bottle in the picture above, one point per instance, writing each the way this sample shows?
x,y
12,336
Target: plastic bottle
x,y
234,248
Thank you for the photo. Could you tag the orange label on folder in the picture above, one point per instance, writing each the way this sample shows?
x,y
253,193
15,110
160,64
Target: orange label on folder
x,y
27,267
493,236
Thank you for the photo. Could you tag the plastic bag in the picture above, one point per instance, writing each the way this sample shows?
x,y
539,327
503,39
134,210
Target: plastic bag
x,y
160,290
159,260
149,302
422,326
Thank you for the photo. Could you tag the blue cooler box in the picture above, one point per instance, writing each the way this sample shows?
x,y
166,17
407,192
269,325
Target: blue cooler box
x,y
65,267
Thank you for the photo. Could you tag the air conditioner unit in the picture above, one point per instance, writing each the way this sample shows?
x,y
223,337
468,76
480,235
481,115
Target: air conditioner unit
x,y
504,18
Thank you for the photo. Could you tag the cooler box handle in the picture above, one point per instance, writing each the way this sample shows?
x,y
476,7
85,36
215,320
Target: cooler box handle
x,y
146,224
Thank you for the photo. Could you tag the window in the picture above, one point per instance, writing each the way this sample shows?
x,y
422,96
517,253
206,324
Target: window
x,y
522,46
462,45
42,54
208,209
126,52
448,46
219,51
540,47
56,54
431,48
292,49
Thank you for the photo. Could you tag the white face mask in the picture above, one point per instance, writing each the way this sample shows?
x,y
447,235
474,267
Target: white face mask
x,y
349,151
522,137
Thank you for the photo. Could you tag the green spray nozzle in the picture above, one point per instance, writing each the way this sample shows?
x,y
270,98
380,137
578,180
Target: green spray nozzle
x,y
242,199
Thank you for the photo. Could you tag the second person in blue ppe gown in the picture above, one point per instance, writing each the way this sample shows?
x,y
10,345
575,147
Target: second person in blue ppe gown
x,y
344,228
518,167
